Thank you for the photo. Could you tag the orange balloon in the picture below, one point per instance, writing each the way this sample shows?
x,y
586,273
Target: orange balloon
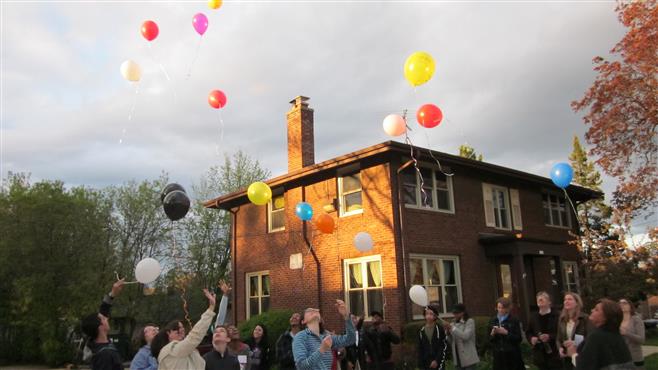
x,y
325,223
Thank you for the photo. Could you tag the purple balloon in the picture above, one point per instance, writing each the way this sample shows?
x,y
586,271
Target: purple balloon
x,y
200,23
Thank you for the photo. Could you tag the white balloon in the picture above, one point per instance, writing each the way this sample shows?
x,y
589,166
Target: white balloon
x,y
418,295
147,270
394,125
363,242
131,71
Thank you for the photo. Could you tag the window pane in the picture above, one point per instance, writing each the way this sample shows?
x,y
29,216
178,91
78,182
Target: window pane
x,y
374,274
416,271
416,310
556,217
544,197
278,219
443,199
375,300
409,176
434,272
497,216
351,183
506,280
449,272
441,180
427,199
356,277
278,202
253,306
356,302
451,297
353,202
265,304
503,218
433,294
547,215
501,199
253,286
427,177
266,285
563,215
409,193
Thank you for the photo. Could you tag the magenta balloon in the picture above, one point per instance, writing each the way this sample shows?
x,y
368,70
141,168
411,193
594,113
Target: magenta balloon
x,y
200,23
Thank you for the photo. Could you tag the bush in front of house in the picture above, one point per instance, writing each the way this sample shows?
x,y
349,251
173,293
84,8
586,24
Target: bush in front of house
x,y
276,322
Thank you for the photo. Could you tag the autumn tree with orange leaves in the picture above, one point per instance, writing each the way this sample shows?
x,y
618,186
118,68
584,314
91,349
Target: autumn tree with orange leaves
x,y
622,112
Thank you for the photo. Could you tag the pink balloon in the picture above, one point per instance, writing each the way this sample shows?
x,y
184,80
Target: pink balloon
x,y
200,23
394,125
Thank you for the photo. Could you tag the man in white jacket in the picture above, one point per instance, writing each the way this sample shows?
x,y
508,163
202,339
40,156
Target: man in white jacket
x,y
461,335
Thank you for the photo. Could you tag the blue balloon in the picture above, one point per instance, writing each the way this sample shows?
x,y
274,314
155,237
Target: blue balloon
x,y
304,211
561,174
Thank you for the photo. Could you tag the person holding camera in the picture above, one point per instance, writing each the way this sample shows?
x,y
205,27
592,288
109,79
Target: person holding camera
x,y
541,333
505,333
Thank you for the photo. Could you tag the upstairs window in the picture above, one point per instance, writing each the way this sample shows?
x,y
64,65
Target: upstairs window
x,y
436,186
350,194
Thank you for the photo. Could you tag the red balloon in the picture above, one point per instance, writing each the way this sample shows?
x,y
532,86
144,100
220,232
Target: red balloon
x,y
150,30
216,99
429,115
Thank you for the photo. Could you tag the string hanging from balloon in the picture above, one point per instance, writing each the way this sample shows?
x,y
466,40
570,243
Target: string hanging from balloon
x,y
407,141
429,149
131,112
125,282
200,24
131,72
180,281
164,72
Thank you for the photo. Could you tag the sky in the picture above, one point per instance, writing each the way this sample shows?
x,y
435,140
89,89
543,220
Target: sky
x,y
506,74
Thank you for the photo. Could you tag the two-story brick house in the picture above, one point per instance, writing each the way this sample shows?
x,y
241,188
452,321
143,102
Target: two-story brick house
x,y
485,232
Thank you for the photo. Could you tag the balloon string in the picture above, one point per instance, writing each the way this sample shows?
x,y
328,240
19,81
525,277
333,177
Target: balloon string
x,y
407,141
131,112
176,271
429,149
196,55
164,71
125,282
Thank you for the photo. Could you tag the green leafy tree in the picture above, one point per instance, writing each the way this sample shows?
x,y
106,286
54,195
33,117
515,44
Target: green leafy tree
x,y
468,151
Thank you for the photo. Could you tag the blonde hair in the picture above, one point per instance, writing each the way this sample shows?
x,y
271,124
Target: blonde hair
x,y
565,315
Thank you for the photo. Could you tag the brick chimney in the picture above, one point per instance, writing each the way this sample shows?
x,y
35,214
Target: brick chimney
x,y
301,147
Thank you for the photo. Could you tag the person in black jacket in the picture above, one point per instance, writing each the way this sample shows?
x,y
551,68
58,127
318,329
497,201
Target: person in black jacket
x,y
96,326
541,333
260,348
505,332
432,342
378,339
284,344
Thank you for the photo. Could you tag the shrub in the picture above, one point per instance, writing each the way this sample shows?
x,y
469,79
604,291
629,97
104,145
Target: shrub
x,y
56,353
276,322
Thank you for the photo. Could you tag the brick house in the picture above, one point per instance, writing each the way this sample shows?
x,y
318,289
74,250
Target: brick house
x,y
485,232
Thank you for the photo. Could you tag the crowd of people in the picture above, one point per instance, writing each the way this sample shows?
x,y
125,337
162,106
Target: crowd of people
x,y
609,338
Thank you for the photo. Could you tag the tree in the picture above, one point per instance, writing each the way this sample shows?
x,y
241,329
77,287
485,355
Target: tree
x,y
467,151
208,231
622,111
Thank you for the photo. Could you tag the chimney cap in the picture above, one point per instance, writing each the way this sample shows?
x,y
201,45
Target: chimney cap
x,y
300,100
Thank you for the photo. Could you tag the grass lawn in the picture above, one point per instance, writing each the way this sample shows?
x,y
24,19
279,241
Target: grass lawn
x,y
651,338
651,362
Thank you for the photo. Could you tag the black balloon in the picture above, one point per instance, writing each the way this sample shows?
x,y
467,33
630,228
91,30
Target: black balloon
x,y
169,188
176,204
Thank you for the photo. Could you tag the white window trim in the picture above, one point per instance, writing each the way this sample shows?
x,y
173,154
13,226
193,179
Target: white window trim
x,y
550,209
260,290
458,281
507,206
364,271
269,216
435,198
574,265
341,195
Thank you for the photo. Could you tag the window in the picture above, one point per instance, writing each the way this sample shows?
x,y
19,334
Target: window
x,y
555,210
497,207
258,292
437,189
363,280
276,214
570,269
349,190
440,277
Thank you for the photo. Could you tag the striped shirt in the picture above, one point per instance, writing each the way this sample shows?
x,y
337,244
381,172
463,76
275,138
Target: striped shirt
x,y
306,348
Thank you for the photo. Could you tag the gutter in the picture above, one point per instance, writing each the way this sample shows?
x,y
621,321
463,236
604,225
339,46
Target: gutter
x,y
234,258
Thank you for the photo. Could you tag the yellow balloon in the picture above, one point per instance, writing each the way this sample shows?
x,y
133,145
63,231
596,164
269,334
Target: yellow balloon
x,y
214,4
131,71
419,68
259,193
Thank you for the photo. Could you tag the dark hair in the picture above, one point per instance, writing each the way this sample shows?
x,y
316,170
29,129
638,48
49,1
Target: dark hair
x,y
506,302
138,336
263,344
613,315
90,324
376,313
162,338
631,304
460,308
434,309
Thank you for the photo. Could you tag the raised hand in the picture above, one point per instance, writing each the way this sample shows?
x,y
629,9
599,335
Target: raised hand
x,y
117,287
226,289
327,342
212,299
342,308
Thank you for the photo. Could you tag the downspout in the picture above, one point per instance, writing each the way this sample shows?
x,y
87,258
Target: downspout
x,y
401,223
315,257
234,257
